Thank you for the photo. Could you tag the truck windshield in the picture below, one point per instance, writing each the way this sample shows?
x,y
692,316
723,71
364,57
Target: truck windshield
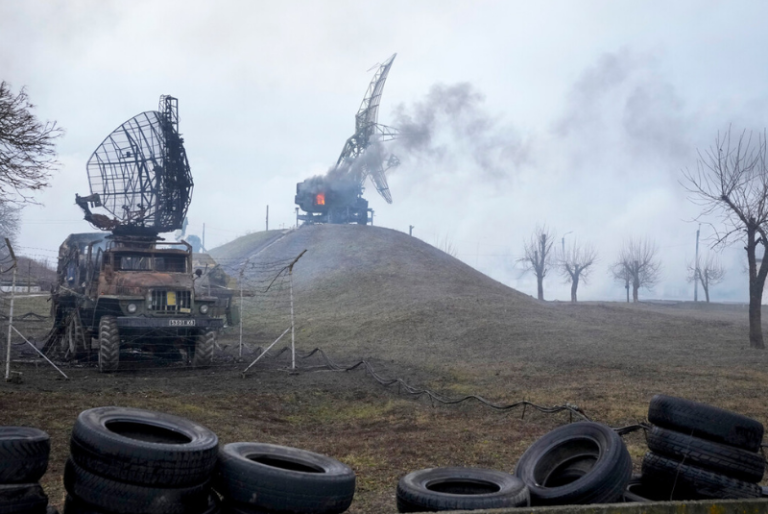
x,y
167,263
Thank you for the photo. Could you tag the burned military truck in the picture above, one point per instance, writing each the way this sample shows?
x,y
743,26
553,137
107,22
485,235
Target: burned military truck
x,y
126,289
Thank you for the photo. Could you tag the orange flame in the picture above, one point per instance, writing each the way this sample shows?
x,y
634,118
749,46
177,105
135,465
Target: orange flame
x,y
320,199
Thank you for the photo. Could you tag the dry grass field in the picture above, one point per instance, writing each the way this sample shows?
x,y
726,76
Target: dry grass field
x,y
418,314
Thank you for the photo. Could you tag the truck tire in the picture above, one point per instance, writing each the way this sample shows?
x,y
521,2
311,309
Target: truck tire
x,y
698,483
580,463
706,421
75,506
74,338
23,454
22,498
116,497
204,345
109,344
728,460
278,479
448,489
143,447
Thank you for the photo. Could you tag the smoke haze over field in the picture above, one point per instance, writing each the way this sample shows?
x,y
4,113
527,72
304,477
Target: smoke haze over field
x,y
579,116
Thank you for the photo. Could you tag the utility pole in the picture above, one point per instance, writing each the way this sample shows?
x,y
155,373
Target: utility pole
x,y
267,218
696,268
410,230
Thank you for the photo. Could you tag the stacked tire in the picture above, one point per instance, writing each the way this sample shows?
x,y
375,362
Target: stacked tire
x,y
125,461
257,478
698,451
23,460
579,463
450,489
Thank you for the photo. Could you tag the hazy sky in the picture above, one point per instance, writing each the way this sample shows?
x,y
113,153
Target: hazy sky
x,y
578,115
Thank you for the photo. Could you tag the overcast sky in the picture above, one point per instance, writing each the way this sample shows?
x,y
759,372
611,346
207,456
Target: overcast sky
x,y
578,115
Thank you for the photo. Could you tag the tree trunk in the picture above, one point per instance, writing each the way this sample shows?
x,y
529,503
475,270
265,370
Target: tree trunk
x,y
635,289
756,283
574,287
706,292
626,286
540,284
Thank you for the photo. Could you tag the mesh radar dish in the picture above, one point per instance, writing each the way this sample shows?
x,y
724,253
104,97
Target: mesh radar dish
x,y
368,132
140,175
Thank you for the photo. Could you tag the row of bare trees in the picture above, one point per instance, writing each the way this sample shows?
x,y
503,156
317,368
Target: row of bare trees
x,y
637,265
730,183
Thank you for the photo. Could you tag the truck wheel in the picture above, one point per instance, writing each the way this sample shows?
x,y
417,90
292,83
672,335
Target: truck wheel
x,y
109,344
72,345
204,344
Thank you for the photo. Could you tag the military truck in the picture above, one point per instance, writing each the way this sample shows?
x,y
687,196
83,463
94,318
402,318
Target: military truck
x,y
121,293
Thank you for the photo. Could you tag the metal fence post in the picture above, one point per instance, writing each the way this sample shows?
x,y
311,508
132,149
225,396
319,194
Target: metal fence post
x,y
10,314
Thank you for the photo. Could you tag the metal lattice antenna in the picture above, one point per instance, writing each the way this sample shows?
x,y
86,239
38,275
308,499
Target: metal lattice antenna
x,y
140,174
369,132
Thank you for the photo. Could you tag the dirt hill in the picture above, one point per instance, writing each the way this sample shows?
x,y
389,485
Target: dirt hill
x,y
378,293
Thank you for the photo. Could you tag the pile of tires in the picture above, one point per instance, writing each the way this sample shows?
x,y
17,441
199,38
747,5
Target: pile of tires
x,y
579,463
257,478
23,460
449,489
698,451
124,461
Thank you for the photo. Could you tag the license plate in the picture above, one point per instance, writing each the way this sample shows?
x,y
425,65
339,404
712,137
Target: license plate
x,y
181,322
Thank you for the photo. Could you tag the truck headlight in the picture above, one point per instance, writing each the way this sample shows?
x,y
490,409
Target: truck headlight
x,y
132,308
203,309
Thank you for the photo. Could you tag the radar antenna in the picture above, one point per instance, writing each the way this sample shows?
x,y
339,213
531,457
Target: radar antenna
x,y
140,175
369,132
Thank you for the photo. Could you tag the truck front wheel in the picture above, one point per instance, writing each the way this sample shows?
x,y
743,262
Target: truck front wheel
x,y
109,344
204,344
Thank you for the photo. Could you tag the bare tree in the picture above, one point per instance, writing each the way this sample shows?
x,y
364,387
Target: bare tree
x,y
576,265
539,257
27,153
708,272
637,266
730,182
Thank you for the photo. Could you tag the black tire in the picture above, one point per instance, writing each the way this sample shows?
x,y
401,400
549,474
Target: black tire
x,y
22,498
705,421
115,497
234,508
442,489
280,479
727,460
23,454
143,447
204,346
635,492
109,344
73,506
693,482
580,463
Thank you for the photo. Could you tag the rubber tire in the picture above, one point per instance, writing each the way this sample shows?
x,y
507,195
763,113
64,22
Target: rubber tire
x,y
633,492
23,454
116,497
243,480
234,508
705,421
22,498
727,460
698,482
414,492
554,455
97,448
74,506
204,346
109,344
